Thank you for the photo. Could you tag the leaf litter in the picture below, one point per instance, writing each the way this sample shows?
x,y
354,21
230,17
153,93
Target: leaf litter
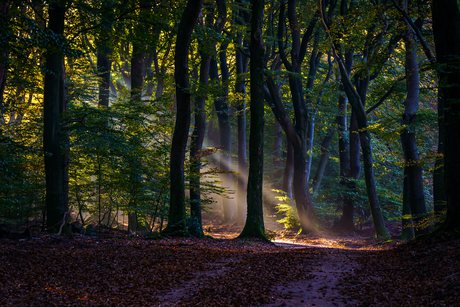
x,y
295,271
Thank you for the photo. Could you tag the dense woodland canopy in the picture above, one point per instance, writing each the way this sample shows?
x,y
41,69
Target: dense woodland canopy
x,y
145,113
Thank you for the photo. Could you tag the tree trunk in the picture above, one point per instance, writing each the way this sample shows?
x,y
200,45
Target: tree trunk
x,y
223,116
374,204
346,222
137,80
254,226
4,9
65,140
357,100
446,30
412,166
277,150
241,68
439,188
322,161
407,231
55,203
196,145
288,170
104,67
176,218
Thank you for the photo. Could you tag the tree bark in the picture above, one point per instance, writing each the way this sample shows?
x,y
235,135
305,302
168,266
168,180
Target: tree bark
x,y
65,158
350,168
176,218
241,68
4,9
196,144
439,188
277,150
357,98
104,67
288,174
412,165
223,116
299,136
254,226
322,161
55,203
446,30
407,231
346,222
137,81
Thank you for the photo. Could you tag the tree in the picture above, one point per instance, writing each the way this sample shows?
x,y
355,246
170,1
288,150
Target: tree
x,y
4,8
56,205
222,110
241,18
298,134
413,186
254,226
446,30
357,98
176,219
196,145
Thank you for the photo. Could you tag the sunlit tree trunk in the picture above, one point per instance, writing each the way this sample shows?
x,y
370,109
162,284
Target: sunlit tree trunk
x,y
325,152
196,144
241,68
288,173
298,135
4,9
254,226
176,220
223,115
104,67
277,150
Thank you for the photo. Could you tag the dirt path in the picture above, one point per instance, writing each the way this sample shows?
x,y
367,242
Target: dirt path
x,y
328,272
323,289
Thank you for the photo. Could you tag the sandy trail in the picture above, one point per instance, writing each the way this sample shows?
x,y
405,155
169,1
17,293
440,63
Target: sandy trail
x,y
324,288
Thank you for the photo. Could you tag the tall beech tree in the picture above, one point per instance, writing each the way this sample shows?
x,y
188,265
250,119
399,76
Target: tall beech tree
x,y
56,206
446,30
223,114
4,9
413,184
254,226
298,133
439,189
177,215
137,80
241,18
196,144
357,98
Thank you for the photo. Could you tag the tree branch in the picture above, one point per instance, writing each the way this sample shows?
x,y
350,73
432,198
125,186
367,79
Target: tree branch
x,y
381,100
343,71
416,29
282,52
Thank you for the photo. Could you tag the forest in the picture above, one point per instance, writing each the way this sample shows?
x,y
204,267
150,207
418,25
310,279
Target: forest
x,y
307,132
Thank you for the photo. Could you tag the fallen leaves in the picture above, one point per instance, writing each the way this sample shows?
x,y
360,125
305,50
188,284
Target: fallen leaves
x,y
80,270
108,272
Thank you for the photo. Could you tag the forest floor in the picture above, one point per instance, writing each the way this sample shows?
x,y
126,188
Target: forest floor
x,y
322,270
